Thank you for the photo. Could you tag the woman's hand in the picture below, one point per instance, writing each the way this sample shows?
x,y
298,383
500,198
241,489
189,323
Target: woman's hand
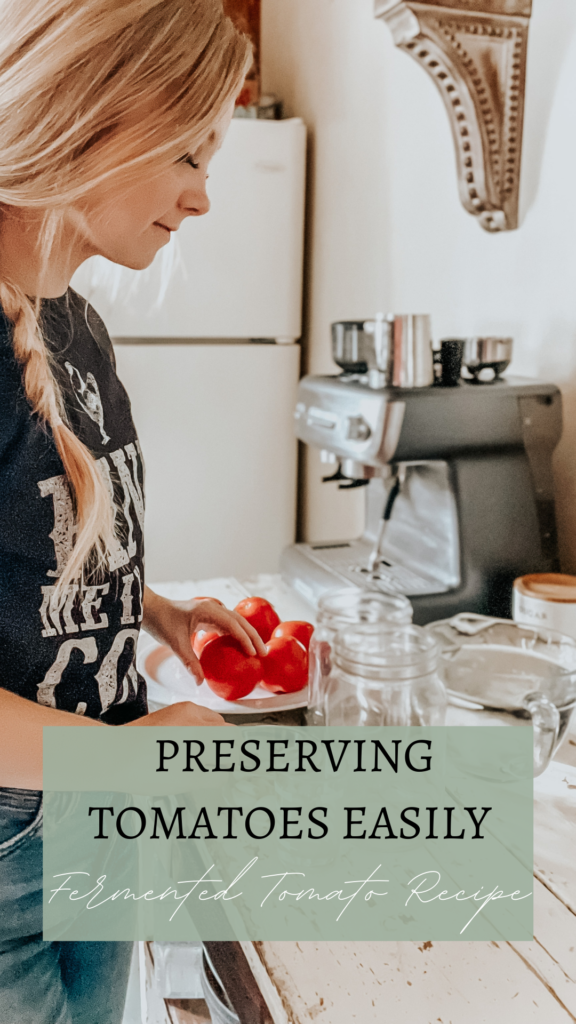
x,y
183,713
174,622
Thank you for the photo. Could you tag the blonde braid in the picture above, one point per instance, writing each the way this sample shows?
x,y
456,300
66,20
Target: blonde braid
x,y
94,515
72,72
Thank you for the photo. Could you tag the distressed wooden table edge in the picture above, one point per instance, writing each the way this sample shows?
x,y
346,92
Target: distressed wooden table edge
x,y
549,961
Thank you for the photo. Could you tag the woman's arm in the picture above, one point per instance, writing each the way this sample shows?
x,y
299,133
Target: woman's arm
x,y
21,723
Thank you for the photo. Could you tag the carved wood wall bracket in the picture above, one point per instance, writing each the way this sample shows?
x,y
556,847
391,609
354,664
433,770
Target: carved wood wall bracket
x,y
475,52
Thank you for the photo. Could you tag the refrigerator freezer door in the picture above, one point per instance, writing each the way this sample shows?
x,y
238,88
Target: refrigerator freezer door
x,y
235,272
215,423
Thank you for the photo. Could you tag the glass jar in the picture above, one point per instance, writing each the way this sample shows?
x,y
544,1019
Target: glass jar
x,y
337,609
384,675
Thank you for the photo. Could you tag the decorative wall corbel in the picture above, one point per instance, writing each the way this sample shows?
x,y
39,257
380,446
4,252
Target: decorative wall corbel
x,y
475,51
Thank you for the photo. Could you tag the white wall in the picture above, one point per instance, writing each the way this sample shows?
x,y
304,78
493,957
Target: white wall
x,y
386,228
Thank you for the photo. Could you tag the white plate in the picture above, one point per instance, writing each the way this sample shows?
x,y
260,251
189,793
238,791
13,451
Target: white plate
x,y
171,682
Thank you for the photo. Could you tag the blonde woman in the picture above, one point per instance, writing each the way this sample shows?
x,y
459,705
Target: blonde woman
x,y
110,111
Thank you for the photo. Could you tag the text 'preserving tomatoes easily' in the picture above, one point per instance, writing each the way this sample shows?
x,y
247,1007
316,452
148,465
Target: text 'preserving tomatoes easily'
x,y
301,631
260,614
228,671
285,667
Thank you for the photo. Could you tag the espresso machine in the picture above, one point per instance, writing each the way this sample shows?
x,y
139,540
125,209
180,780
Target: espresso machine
x,y
458,479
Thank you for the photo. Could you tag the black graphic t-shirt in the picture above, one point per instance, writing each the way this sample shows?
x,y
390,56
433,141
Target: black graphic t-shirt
x,y
80,656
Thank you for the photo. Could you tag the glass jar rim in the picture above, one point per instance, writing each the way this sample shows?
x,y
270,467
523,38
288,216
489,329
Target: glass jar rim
x,y
386,651
341,606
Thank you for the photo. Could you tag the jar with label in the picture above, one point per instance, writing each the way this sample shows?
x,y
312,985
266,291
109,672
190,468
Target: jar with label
x,y
546,599
337,609
384,675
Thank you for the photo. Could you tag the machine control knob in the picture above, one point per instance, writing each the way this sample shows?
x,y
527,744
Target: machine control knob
x,y
357,429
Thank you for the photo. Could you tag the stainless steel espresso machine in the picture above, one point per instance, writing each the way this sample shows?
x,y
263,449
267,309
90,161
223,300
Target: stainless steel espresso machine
x,y
458,479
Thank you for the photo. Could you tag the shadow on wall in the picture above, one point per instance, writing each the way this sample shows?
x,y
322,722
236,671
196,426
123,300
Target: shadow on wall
x,y
552,28
565,478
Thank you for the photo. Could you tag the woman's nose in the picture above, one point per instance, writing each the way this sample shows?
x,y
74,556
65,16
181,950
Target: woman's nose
x,y
195,202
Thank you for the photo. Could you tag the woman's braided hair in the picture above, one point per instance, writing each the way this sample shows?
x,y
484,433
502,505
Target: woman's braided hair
x,y
71,72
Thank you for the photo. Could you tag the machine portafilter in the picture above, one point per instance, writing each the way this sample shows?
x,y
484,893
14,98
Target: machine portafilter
x,y
356,474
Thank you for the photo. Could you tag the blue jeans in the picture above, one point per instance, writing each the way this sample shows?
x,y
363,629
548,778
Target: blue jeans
x,y
47,982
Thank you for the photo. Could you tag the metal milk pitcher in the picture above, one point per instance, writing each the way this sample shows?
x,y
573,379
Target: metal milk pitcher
x,y
411,362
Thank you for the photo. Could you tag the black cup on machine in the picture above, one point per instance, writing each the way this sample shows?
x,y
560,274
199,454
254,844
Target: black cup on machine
x,y
448,362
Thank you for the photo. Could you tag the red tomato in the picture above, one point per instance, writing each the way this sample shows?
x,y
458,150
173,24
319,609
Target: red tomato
x,y
228,671
285,667
260,614
200,639
301,631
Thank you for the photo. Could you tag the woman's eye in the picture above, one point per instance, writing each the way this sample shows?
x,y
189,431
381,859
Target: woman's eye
x,y
189,160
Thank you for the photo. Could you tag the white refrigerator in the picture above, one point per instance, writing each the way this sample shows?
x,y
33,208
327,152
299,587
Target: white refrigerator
x,y
206,345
